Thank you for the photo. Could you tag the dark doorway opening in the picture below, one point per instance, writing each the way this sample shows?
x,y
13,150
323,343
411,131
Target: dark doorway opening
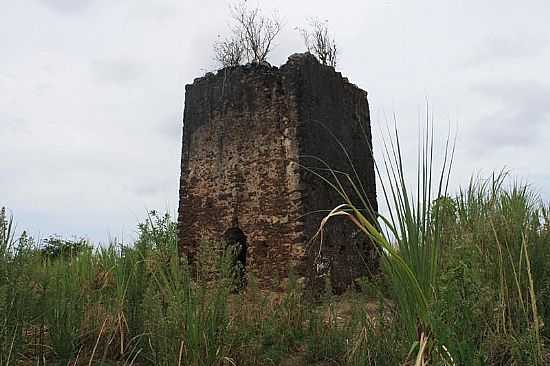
x,y
236,246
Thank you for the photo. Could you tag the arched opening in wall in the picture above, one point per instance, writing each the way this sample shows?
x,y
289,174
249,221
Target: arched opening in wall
x,y
236,247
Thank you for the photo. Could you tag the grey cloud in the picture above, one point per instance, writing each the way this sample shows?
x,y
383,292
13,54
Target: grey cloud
x,y
523,108
92,91
42,88
117,71
67,6
505,48
170,127
526,90
153,188
162,11
13,125
150,189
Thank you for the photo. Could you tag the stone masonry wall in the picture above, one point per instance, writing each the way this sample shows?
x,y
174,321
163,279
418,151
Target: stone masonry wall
x,y
334,127
245,128
239,140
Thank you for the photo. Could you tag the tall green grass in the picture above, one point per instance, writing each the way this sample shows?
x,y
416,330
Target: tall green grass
x,y
9,340
139,305
495,273
465,272
466,282
410,245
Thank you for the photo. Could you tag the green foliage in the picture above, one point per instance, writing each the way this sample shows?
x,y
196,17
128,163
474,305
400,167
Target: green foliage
x,y
488,302
157,236
467,274
185,323
494,275
326,339
16,303
63,308
282,331
56,247
411,244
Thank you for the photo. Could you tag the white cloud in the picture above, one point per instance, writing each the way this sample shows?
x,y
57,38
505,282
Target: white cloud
x,y
67,6
92,93
519,115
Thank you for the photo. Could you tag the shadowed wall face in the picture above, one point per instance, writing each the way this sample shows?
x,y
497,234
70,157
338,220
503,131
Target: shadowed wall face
x,y
247,131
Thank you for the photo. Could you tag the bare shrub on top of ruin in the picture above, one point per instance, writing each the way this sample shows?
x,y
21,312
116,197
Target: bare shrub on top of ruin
x,y
251,37
255,30
229,52
319,42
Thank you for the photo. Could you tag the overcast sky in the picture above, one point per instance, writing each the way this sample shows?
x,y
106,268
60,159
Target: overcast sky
x,y
92,93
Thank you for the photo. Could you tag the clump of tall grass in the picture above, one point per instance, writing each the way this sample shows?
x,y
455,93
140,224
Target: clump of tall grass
x,y
9,340
186,323
495,273
466,273
410,243
17,305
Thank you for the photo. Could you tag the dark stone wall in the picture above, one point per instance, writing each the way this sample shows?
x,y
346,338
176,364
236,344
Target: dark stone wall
x,y
245,128
335,128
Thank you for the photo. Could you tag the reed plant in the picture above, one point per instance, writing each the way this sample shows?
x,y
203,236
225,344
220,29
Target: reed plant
x,y
408,237
9,327
494,273
466,273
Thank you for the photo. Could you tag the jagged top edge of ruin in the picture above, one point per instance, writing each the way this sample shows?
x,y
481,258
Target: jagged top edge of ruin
x,y
294,59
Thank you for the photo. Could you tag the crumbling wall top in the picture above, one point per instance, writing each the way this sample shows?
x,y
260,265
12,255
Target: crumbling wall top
x,y
296,60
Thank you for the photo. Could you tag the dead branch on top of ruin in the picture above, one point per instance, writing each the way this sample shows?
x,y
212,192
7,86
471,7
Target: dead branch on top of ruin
x,y
229,52
319,42
255,30
251,37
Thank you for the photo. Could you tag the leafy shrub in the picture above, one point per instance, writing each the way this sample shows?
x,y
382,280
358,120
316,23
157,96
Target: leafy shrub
x,y
56,247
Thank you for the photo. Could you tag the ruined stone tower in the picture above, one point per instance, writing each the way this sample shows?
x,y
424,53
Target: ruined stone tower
x,y
249,134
